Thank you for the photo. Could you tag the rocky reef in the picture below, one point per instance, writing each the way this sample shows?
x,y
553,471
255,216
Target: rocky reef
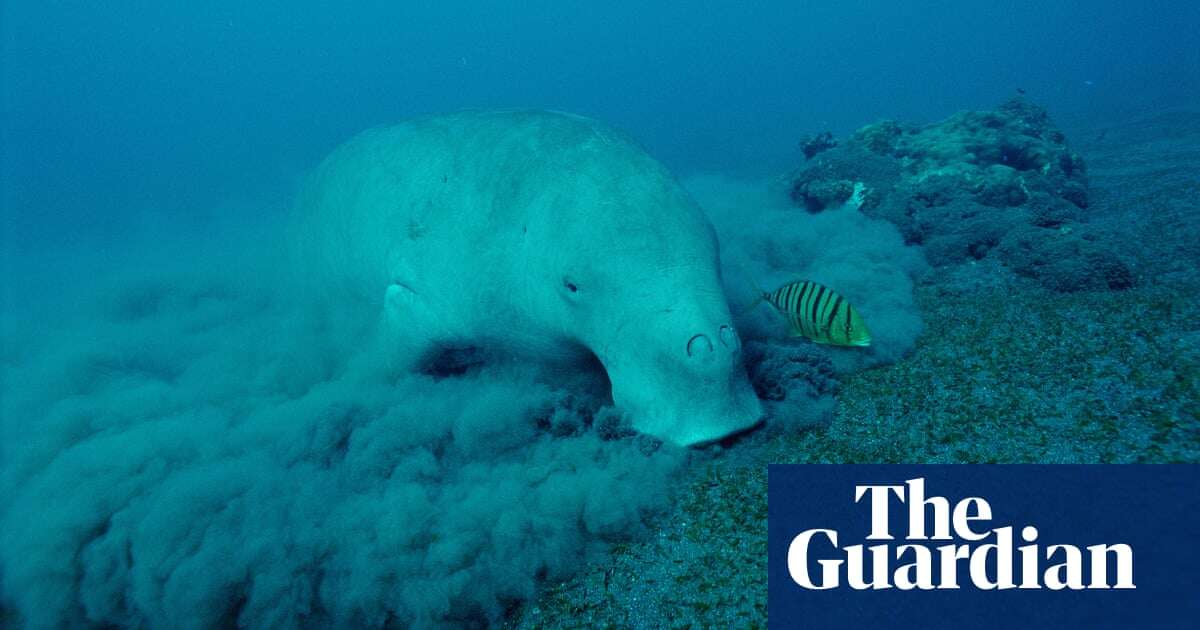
x,y
1001,183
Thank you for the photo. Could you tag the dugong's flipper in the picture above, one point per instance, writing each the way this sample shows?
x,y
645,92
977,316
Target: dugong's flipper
x,y
411,331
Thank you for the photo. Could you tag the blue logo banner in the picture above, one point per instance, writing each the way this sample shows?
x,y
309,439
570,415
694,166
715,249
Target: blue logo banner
x,y
983,546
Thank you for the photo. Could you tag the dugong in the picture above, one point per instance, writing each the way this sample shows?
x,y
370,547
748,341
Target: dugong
x,y
543,235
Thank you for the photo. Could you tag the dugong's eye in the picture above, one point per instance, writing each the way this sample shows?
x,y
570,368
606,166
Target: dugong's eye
x,y
570,285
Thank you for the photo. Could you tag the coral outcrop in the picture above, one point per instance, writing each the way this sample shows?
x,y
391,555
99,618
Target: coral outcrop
x,y
999,183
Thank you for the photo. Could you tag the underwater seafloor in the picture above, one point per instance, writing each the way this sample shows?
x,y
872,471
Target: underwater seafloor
x,y
203,461
1006,370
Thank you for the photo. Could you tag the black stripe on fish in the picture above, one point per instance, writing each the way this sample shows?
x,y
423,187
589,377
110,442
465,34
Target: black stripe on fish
x,y
797,319
816,303
776,296
832,313
822,309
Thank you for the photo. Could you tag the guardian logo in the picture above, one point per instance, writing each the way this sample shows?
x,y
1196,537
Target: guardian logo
x,y
983,546
971,546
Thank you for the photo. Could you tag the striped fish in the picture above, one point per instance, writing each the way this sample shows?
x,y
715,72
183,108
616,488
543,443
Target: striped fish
x,y
817,312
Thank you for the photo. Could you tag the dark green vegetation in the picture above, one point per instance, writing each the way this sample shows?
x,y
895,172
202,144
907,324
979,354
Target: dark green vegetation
x,y
1006,371
1035,377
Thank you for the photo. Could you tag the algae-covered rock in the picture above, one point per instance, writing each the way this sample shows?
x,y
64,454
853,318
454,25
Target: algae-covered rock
x,y
964,185
778,369
880,137
796,381
818,194
1062,260
833,177
814,144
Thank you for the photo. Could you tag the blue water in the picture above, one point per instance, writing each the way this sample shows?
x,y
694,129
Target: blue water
x,y
110,108
188,442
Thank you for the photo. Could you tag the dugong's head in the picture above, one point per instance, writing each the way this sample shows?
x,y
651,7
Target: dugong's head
x,y
633,266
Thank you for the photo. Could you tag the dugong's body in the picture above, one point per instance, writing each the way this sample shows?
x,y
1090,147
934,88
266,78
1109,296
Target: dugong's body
x,y
544,235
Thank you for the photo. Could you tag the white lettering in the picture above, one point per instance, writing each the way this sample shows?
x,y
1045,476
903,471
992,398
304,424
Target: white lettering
x,y
1124,555
916,512
797,561
879,508
1073,567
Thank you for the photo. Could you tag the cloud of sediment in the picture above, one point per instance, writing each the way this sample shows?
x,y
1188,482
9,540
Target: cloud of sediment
x,y
191,445
767,241
189,440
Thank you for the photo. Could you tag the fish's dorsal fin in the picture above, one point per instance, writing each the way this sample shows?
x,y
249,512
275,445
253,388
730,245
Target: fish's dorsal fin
x,y
793,278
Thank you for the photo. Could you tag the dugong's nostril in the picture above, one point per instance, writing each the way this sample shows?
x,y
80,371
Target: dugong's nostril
x,y
729,337
698,343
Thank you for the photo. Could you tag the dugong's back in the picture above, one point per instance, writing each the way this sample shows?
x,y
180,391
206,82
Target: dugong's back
x,y
433,191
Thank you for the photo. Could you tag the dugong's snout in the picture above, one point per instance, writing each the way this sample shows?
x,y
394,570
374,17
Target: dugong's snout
x,y
687,389
702,349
